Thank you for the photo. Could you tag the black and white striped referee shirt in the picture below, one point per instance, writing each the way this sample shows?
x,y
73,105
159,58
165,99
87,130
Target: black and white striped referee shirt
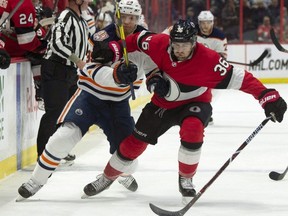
x,y
69,37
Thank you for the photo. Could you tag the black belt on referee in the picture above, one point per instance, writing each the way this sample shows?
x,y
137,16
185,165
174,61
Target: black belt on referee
x,y
58,59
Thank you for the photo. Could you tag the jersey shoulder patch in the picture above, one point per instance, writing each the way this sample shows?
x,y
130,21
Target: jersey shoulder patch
x,y
100,36
217,33
108,34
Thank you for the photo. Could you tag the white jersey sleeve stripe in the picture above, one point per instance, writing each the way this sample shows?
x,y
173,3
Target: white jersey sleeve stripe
x,y
236,78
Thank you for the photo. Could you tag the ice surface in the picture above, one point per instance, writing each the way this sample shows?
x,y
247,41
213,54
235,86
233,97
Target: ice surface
x,y
244,188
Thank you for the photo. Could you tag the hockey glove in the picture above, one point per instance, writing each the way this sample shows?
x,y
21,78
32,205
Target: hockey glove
x,y
157,84
42,48
34,58
124,74
271,102
5,58
104,52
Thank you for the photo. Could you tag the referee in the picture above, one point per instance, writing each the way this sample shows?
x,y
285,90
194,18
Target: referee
x,y
65,53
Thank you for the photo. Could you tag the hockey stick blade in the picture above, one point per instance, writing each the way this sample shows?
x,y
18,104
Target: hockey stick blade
x,y
181,212
254,63
276,42
278,176
162,212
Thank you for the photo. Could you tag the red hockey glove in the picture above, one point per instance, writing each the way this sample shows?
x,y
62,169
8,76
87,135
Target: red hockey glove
x,y
5,58
116,49
104,52
271,102
156,83
124,74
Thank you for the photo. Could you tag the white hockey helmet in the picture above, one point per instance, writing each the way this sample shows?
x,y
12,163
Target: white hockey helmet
x,y
205,16
131,7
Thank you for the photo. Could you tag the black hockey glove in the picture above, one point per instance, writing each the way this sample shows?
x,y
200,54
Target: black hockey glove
x,y
42,48
157,84
124,74
5,58
271,102
104,52
34,58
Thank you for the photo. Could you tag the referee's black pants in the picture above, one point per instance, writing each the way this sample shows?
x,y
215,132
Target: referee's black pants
x,y
59,83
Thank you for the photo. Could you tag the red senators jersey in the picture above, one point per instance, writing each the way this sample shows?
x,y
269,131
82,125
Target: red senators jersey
x,y
19,31
191,80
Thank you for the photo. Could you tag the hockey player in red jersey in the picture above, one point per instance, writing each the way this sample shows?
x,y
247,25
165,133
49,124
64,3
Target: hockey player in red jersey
x,y
18,33
18,38
182,95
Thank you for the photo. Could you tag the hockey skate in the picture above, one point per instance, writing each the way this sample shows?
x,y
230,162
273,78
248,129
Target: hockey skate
x,y
100,184
128,182
27,190
186,188
68,160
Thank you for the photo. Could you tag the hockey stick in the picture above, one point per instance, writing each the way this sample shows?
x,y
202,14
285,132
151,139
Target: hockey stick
x,y
276,42
122,36
254,63
181,212
12,12
47,21
278,176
